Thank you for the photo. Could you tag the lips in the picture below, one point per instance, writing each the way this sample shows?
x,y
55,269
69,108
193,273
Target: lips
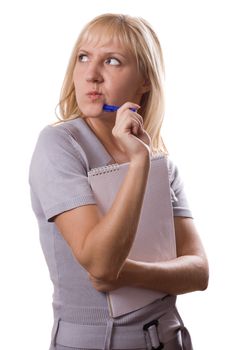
x,y
94,93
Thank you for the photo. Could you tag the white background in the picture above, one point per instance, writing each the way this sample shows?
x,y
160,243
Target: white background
x,y
36,41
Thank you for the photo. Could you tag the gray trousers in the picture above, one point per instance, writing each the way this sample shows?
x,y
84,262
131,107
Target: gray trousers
x,y
161,327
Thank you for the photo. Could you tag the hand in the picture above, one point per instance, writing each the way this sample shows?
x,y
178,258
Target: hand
x,y
129,131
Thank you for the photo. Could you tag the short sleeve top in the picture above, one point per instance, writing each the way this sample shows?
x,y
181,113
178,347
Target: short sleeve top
x,y
58,182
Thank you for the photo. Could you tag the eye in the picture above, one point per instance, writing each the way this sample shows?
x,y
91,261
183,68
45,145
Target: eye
x,y
83,58
113,61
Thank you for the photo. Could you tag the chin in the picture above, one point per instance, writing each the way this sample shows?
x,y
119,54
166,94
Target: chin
x,y
92,111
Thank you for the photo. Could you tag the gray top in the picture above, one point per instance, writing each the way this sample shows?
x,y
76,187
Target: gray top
x,y
58,182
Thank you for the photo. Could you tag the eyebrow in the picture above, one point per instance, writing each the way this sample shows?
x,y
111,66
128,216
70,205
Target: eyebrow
x,y
110,53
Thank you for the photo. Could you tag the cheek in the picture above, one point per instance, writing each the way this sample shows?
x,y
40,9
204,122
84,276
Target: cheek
x,y
120,86
126,83
127,89
76,78
77,86
77,90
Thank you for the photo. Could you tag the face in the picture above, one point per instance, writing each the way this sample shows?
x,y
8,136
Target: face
x,y
106,74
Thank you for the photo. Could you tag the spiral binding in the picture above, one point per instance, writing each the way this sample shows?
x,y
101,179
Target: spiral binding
x,y
104,169
113,167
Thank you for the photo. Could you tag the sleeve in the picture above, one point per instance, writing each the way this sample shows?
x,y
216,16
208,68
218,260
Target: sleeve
x,y
58,173
179,199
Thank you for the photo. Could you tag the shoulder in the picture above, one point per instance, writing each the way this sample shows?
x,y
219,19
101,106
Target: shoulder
x,y
176,182
61,138
60,132
178,194
173,171
58,146
49,134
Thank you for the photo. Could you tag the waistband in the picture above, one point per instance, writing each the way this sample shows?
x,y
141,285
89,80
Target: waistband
x,y
100,316
125,332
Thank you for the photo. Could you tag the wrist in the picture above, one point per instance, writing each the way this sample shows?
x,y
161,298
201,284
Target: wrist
x,y
132,273
142,161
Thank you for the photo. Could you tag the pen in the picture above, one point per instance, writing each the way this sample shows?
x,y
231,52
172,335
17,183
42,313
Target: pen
x,y
111,108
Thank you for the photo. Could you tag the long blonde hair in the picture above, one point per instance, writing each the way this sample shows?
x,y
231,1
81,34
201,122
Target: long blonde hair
x,y
136,35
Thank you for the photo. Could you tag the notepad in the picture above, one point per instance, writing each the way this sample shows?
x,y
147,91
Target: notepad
x,y
155,237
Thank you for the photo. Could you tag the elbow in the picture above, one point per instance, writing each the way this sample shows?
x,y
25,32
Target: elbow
x,y
97,268
203,275
100,272
204,281
103,274
202,284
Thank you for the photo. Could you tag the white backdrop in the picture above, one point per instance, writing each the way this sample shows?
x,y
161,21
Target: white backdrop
x,y
36,41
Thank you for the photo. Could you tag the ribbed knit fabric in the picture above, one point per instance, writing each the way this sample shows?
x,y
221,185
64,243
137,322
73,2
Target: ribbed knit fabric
x,y
128,333
58,182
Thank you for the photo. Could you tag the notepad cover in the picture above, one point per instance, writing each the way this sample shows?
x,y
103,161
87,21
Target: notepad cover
x,y
155,236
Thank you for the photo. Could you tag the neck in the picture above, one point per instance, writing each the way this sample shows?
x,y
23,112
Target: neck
x,y
103,130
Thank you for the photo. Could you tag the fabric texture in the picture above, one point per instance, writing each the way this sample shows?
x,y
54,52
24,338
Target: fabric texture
x,y
58,182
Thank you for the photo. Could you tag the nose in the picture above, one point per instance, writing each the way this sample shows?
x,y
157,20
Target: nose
x,y
93,73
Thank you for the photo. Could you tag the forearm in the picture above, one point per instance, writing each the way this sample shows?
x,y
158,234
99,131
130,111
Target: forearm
x,y
178,276
108,244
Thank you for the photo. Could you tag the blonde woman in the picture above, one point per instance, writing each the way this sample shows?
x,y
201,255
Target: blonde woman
x,y
116,61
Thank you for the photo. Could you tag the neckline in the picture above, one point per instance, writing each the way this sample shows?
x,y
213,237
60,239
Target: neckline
x,y
108,156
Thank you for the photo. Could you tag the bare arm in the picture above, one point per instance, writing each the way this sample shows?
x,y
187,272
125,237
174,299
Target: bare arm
x,y
102,243
187,273
103,250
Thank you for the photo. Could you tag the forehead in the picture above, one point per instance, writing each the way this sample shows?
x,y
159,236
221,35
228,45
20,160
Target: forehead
x,y
102,48
105,37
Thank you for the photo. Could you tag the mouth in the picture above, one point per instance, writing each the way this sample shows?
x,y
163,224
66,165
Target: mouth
x,y
95,95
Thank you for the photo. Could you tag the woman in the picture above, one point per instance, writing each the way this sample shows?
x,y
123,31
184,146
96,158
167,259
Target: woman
x,y
117,60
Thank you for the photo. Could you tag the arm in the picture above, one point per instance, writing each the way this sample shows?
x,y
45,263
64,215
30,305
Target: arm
x,y
187,273
102,243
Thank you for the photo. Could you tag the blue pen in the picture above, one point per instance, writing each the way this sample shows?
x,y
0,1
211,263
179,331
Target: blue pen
x,y
111,108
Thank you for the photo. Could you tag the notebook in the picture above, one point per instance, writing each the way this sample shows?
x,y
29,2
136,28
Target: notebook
x,y
155,236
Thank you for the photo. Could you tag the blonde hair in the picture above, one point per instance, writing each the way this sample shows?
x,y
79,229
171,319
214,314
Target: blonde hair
x,y
135,34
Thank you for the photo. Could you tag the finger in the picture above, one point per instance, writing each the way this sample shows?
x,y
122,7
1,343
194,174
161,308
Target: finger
x,y
135,130
139,117
140,127
128,105
134,115
133,125
127,122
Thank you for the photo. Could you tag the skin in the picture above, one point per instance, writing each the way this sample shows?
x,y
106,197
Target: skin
x,y
187,273
111,70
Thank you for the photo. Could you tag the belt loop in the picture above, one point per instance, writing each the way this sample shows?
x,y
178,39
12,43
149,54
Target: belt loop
x,y
54,333
152,330
108,334
186,339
